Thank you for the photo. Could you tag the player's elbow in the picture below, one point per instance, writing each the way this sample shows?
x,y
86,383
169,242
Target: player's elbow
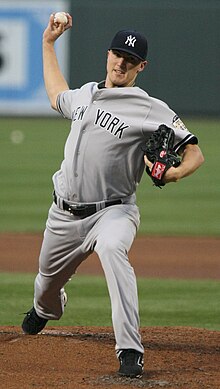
x,y
53,105
201,158
53,100
194,153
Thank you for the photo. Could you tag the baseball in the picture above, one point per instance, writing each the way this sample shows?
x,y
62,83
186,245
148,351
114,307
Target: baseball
x,y
60,18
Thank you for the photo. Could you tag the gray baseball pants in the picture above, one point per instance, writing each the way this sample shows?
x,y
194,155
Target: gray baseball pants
x,y
69,240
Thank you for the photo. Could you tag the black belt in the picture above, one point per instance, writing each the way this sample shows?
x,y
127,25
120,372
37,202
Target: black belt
x,y
84,210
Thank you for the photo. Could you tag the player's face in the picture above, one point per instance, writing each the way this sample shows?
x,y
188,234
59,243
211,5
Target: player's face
x,y
122,69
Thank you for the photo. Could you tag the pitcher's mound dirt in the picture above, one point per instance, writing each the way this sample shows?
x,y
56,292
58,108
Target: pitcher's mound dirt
x,y
73,357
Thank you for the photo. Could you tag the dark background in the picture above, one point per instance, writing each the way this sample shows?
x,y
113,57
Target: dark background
x,y
184,47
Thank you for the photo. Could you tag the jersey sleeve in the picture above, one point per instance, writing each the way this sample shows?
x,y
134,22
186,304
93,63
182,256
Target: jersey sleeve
x,y
64,103
160,113
182,135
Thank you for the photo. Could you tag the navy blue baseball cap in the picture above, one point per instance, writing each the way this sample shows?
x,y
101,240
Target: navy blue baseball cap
x,y
132,42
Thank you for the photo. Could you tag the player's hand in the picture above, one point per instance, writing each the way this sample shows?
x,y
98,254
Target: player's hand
x,y
147,162
54,30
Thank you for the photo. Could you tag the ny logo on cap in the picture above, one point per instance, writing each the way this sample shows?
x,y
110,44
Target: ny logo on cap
x,y
130,40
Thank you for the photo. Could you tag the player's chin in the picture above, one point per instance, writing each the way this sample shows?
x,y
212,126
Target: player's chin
x,y
120,82
119,79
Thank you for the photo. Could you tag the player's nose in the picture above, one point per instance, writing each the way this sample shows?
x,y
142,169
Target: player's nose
x,y
122,62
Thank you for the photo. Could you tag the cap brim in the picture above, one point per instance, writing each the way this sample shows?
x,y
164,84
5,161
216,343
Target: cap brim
x,y
127,51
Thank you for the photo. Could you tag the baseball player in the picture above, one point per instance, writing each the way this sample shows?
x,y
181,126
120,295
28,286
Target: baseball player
x,y
94,207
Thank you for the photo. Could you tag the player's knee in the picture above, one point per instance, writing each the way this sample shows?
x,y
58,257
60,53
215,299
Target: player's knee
x,y
108,245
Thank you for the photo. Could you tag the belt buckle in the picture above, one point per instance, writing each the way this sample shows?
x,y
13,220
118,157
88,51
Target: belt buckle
x,y
77,208
74,206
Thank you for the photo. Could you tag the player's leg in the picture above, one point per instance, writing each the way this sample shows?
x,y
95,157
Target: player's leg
x,y
54,272
115,233
60,255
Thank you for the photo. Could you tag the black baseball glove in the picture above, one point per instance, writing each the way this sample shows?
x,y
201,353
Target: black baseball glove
x,y
159,151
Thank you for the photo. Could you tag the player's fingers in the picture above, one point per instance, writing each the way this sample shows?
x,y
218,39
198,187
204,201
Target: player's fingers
x,y
51,20
56,28
70,21
60,27
147,162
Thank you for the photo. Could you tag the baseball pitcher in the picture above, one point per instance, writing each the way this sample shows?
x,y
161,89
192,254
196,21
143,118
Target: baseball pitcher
x,y
117,132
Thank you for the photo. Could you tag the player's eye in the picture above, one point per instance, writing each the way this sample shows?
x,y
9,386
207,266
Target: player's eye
x,y
116,53
133,60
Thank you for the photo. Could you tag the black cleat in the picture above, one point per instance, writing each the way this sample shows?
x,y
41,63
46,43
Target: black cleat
x,y
32,323
131,363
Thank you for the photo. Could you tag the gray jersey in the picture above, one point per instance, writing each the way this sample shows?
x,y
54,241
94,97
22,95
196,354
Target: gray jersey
x,y
103,158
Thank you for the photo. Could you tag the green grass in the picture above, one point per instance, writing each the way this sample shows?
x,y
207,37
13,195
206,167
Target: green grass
x,y
26,170
162,302
190,207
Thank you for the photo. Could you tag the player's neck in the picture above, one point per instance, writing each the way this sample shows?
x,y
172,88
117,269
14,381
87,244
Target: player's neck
x,y
109,84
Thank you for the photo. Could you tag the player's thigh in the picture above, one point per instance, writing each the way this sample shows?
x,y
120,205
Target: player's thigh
x,y
117,228
61,246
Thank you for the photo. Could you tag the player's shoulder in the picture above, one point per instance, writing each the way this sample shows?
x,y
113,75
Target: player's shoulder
x,y
157,101
140,92
90,86
153,100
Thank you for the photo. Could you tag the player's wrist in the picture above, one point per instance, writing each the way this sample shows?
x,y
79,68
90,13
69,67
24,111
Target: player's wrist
x,y
172,175
48,40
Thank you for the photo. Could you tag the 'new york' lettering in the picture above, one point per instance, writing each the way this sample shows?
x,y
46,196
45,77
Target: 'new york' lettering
x,y
78,113
110,123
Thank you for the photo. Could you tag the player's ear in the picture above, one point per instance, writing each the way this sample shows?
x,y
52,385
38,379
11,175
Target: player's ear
x,y
142,66
107,56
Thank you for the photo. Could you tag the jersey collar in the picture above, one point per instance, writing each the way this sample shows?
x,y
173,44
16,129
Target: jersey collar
x,y
101,85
